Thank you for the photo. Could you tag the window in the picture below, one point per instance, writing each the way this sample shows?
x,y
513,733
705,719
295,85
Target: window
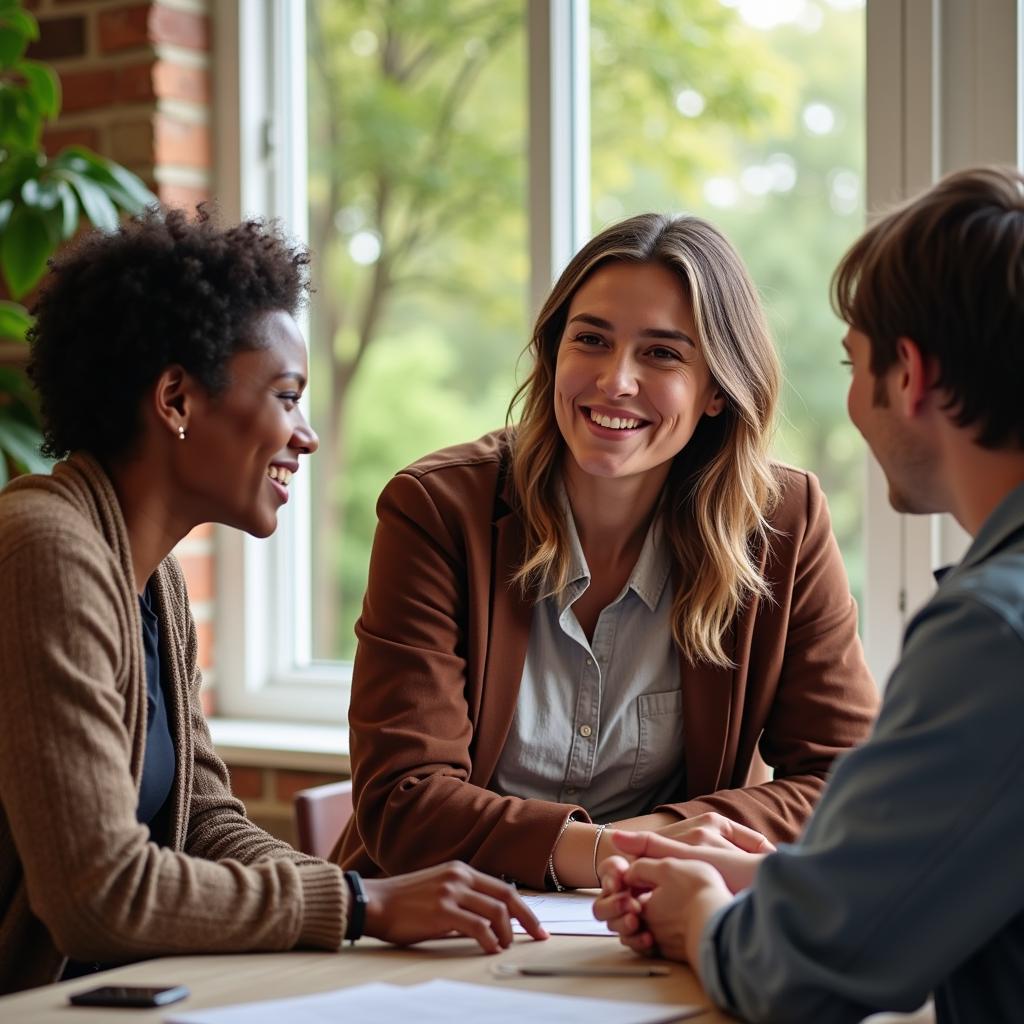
x,y
445,160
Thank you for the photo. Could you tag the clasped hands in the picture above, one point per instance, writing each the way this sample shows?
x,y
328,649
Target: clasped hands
x,y
659,889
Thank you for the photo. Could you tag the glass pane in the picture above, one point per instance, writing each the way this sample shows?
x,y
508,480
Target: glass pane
x,y
751,113
417,184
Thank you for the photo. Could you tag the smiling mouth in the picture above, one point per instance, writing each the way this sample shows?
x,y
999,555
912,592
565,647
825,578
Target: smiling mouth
x,y
613,422
282,475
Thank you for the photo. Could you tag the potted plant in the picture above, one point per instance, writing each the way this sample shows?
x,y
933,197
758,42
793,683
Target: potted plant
x,y
43,202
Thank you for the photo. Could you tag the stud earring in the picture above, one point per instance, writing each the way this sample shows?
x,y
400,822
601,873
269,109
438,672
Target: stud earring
x,y
181,432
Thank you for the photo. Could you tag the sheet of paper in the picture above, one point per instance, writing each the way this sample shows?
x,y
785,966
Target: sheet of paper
x,y
437,1002
563,913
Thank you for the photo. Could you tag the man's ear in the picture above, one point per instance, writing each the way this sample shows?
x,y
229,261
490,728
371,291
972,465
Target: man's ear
x,y
172,399
916,375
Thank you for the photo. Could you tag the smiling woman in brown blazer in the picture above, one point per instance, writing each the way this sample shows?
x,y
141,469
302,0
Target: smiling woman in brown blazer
x,y
618,612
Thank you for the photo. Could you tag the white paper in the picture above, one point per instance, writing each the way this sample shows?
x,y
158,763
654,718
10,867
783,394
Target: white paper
x,y
437,1002
564,913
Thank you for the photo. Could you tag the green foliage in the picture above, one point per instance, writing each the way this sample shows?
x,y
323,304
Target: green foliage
x,y
42,203
790,234
418,139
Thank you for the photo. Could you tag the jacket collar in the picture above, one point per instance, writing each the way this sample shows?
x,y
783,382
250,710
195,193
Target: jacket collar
x,y
1005,522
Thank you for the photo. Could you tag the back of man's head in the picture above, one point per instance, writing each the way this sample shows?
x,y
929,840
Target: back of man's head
x,y
946,270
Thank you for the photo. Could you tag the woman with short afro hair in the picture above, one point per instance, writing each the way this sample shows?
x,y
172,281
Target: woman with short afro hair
x,y
169,368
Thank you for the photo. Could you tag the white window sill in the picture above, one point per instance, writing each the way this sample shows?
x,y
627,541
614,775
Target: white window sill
x,y
296,745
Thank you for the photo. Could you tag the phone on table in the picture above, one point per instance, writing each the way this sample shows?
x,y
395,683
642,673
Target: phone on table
x,y
129,995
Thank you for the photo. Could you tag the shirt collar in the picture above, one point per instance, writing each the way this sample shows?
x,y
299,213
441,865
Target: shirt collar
x,y
649,576
1005,520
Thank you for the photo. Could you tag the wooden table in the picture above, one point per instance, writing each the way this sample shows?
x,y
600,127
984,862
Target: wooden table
x,y
221,980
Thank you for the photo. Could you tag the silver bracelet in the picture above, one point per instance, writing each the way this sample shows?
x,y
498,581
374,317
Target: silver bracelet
x,y
551,857
597,843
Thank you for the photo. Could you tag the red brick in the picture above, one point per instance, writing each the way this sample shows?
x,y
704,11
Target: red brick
x,y
247,783
135,83
124,28
182,28
131,143
183,197
179,142
204,632
86,90
288,783
58,37
198,571
55,139
176,82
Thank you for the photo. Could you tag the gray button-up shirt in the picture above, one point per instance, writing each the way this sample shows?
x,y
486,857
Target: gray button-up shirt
x,y
908,877
601,724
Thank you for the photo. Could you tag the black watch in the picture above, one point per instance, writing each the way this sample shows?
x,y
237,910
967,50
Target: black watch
x,y
356,906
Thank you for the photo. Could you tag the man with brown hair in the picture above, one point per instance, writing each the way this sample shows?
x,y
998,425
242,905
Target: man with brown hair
x,y
907,879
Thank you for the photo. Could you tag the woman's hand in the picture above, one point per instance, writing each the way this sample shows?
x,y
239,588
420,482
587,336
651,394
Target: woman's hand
x,y
736,866
713,829
452,897
660,906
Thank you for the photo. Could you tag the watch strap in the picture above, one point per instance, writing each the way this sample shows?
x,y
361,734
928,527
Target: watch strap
x,y
356,906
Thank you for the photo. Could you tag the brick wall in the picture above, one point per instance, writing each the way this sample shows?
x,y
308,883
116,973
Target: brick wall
x,y
136,88
136,84
268,793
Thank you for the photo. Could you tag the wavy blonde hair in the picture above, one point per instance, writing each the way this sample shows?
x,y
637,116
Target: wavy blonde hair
x,y
721,486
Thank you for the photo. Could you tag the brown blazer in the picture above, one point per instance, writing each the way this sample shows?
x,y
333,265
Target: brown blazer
x,y
442,643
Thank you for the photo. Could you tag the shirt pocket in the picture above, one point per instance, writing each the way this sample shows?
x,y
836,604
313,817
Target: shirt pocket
x,y
659,750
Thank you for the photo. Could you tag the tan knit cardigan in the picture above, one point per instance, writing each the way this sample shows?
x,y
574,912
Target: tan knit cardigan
x,y
79,876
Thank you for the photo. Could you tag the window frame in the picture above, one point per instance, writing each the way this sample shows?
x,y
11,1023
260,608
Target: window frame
x,y
943,90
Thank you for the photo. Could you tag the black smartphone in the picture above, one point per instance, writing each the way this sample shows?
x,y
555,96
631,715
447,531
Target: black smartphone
x,y
129,995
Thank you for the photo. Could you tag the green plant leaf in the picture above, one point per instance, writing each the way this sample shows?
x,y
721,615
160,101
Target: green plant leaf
x,y
22,122
69,209
45,86
22,443
96,203
12,46
24,249
14,321
19,401
41,194
16,20
126,189
15,169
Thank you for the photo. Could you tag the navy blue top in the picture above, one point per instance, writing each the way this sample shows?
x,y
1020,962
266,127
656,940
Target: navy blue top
x,y
160,763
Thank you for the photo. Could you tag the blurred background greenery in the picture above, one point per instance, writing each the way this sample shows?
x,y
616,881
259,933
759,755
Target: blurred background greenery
x,y
748,112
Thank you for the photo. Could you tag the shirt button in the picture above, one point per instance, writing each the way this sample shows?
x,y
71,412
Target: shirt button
x,y
590,661
570,790
585,730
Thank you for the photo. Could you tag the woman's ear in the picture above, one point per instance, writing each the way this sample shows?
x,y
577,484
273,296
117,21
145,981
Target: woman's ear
x,y
716,403
172,400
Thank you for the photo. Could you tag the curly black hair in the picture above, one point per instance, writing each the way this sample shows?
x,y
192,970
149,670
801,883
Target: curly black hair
x,y
117,309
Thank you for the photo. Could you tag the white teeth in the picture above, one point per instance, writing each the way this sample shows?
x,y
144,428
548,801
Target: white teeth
x,y
280,474
614,422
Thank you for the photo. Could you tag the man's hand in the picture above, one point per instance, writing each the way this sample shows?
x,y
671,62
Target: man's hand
x,y
736,866
452,897
660,905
